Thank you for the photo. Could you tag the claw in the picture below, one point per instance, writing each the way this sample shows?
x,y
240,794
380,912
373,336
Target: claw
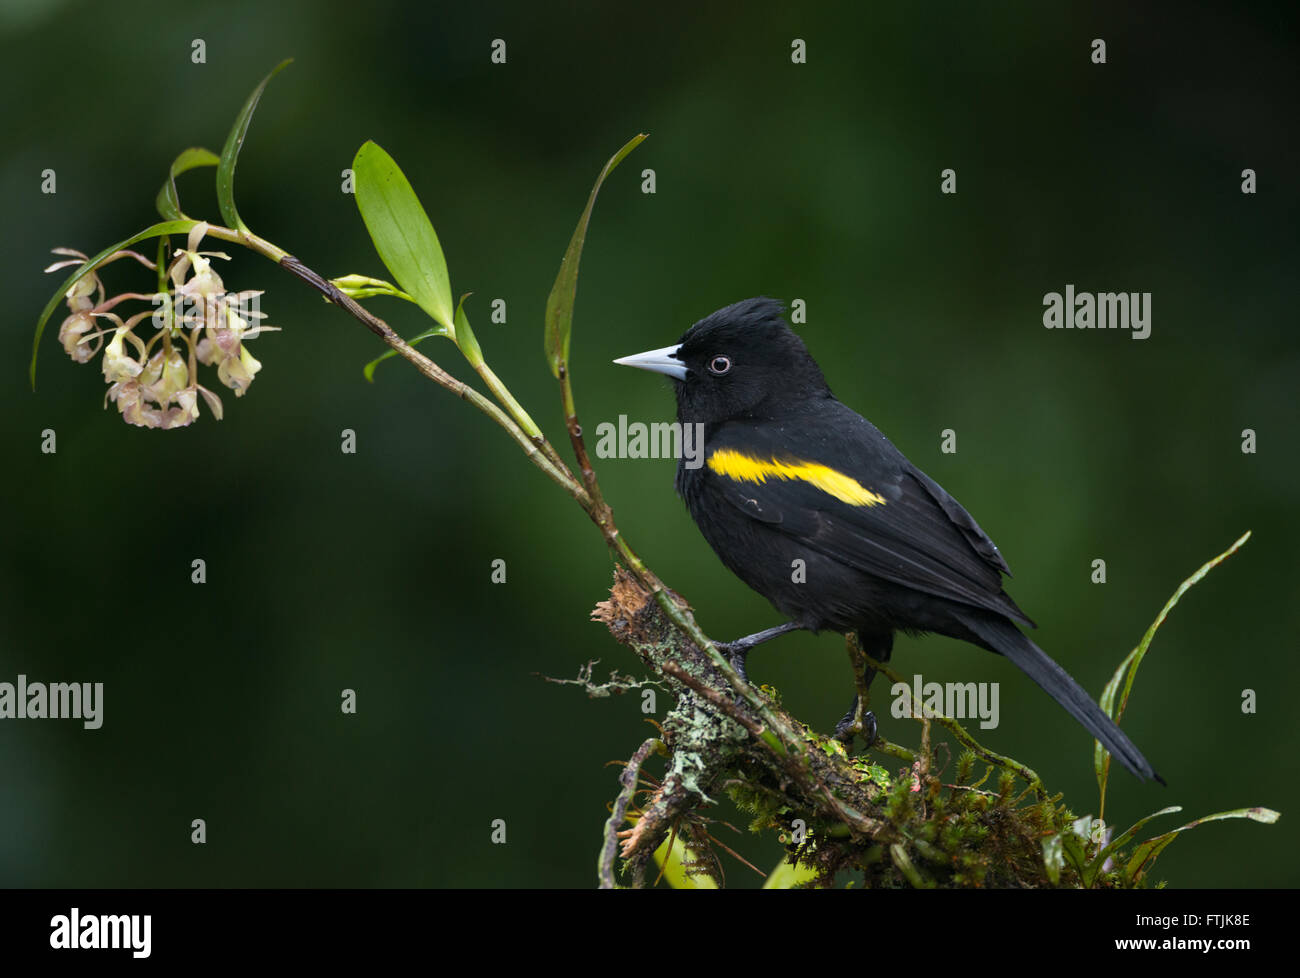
x,y
847,729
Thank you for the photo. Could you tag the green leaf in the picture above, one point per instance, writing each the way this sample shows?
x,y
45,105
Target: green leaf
x,y
1120,842
465,336
1072,849
165,227
874,773
230,153
903,863
679,863
1053,857
168,202
1145,855
788,876
1127,671
402,233
559,305
369,369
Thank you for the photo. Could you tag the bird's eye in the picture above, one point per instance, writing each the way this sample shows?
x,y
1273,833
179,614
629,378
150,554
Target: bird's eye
x,y
719,365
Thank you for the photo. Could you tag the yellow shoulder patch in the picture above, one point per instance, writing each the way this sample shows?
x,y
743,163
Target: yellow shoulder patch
x,y
731,464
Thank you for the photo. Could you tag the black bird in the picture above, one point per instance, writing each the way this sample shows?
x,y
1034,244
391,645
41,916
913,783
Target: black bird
x,y
789,473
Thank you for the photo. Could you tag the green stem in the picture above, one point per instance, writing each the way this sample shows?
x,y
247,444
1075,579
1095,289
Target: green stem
x,y
522,418
966,740
507,400
604,516
249,240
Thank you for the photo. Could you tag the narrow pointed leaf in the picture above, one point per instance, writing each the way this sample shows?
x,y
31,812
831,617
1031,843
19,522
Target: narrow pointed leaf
x,y
402,233
1076,843
369,369
165,227
1119,843
1072,850
903,863
230,152
1053,857
559,305
465,336
1127,671
1145,855
168,201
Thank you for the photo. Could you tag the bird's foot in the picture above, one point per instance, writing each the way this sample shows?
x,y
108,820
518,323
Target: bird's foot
x,y
849,727
736,653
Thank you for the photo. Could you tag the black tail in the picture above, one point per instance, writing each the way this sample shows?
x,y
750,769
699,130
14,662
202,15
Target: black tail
x,y
1004,637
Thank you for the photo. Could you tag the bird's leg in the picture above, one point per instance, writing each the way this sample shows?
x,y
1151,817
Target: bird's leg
x,y
737,651
877,646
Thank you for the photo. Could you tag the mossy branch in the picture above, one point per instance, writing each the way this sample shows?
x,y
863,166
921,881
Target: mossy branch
x,y
852,809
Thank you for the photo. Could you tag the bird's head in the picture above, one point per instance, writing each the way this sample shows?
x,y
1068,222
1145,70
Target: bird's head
x,y
742,361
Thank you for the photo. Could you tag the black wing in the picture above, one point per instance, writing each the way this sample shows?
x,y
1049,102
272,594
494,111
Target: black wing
x,y
917,535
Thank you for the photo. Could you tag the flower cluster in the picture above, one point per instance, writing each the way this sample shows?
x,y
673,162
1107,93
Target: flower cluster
x,y
154,382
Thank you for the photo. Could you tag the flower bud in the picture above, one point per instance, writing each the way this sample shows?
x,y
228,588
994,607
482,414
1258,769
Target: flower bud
x,y
70,334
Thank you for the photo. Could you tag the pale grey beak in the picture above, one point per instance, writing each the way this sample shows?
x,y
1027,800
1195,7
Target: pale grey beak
x,y
662,361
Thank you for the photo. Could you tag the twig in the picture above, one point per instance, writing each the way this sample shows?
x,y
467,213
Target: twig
x,y
609,851
617,684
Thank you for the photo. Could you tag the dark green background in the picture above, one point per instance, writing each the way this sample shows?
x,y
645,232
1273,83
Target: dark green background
x,y
819,181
